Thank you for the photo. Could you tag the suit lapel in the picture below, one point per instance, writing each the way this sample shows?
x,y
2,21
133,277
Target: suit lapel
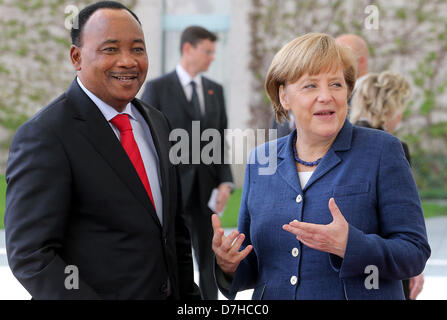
x,y
96,129
287,167
163,158
179,94
329,161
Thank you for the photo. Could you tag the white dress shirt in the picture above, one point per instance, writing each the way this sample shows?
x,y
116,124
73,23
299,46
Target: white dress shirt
x,y
185,80
143,138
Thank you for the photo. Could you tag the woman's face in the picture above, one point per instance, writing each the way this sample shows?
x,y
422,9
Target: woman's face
x,y
318,104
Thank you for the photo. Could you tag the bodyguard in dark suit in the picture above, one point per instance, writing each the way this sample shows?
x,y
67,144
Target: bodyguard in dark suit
x,y
184,96
90,184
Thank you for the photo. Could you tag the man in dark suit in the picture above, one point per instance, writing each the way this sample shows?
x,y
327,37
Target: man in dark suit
x,y
187,99
93,207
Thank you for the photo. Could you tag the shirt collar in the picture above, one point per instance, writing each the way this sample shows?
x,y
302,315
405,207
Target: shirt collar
x,y
185,78
108,111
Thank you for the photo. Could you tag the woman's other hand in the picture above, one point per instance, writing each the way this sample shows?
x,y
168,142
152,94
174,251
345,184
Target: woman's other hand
x,y
227,248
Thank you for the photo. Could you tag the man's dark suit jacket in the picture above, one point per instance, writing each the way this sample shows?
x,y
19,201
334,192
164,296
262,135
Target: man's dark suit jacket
x,y
167,95
74,198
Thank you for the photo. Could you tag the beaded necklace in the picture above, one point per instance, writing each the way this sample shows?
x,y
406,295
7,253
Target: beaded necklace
x,y
297,159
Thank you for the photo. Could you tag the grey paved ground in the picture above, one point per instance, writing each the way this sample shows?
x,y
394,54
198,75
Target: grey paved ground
x,y
435,272
3,260
437,237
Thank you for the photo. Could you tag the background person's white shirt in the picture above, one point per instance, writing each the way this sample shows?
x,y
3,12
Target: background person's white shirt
x,y
185,81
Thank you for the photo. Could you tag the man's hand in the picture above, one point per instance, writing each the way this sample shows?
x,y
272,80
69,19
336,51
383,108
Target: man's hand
x,y
226,249
331,238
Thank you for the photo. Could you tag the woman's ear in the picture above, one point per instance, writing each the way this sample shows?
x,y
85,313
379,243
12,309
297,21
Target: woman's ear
x,y
75,56
283,97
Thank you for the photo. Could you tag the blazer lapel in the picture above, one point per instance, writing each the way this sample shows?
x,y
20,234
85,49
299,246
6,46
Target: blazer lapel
x,y
331,159
287,167
96,129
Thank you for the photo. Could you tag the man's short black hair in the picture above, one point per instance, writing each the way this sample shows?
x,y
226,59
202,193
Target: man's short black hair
x,y
85,14
195,34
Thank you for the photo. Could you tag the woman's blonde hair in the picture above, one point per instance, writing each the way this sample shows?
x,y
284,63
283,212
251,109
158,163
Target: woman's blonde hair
x,y
311,54
379,98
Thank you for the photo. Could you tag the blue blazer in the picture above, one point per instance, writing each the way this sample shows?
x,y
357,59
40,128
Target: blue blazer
x,y
366,172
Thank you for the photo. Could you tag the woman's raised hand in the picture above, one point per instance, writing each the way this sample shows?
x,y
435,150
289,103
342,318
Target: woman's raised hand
x,y
331,238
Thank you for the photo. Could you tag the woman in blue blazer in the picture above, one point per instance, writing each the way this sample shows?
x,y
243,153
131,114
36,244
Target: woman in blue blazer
x,y
340,217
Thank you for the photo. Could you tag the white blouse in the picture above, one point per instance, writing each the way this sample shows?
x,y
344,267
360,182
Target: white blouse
x,y
304,177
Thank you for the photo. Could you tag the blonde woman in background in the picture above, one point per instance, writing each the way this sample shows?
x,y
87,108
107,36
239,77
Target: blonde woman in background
x,y
379,103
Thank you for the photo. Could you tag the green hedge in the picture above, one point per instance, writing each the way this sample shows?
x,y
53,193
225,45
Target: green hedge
x,y
432,209
433,194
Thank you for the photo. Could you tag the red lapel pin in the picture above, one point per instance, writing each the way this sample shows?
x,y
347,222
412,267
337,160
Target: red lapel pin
x,y
210,92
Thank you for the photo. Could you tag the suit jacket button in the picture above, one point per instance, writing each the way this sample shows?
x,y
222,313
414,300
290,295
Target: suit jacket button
x,y
164,288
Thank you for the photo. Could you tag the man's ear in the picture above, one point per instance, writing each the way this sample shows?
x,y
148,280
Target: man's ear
x,y
283,97
75,56
186,48
362,63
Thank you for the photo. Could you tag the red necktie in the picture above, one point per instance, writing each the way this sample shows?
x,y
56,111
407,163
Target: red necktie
x,y
122,123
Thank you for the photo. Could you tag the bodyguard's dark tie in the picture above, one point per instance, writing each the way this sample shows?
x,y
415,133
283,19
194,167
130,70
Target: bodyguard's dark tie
x,y
195,102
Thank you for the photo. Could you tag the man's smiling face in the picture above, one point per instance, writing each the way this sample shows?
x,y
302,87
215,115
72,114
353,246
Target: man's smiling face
x,y
112,60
